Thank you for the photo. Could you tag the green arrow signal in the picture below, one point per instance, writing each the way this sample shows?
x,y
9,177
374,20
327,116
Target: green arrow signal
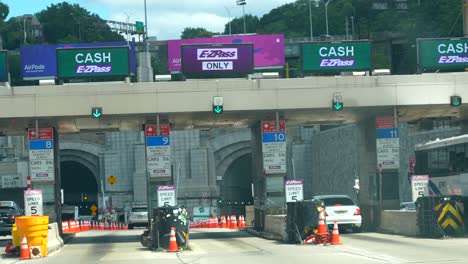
x,y
455,100
97,112
337,106
218,109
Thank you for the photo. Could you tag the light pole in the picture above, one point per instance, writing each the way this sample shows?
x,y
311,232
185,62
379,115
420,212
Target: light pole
x,y
228,10
24,25
127,20
242,3
310,17
146,29
326,14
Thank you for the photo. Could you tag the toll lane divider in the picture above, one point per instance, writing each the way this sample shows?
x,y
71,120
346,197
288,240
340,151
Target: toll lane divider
x,y
228,222
76,226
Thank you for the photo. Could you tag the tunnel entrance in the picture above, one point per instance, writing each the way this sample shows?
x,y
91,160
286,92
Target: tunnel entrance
x,y
79,189
236,188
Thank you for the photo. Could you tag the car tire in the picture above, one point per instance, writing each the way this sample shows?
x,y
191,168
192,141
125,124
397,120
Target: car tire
x,y
356,229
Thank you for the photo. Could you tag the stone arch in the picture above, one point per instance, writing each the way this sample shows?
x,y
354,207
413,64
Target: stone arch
x,y
227,148
85,153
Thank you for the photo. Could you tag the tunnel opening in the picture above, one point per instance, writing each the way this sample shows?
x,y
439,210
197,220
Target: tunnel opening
x,y
80,190
236,188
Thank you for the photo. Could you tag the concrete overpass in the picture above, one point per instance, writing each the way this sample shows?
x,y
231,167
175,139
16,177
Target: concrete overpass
x,y
188,104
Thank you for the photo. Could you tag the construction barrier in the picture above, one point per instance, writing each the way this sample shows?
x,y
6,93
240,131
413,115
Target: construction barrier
x,y
303,219
165,218
35,229
441,216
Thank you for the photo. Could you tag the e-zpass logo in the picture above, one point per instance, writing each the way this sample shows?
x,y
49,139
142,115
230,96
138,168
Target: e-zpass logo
x,y
217,54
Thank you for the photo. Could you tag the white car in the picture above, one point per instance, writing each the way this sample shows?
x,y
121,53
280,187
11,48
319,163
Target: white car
x,y
138,217
342,209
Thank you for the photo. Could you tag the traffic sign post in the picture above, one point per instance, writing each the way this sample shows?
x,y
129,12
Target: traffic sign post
x,y
274,147
387,144
158,151
167,195
33,202
112,179
41,154
337,103
140,27
218,105
294,191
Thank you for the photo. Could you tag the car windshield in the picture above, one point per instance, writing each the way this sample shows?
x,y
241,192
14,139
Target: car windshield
x,y
408,206
139,210
337,201
7,210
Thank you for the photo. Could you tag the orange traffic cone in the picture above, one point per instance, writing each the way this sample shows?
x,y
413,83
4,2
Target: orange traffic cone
x,y
9,248
228,224
335,237
223,221
322,228
25,254
172,241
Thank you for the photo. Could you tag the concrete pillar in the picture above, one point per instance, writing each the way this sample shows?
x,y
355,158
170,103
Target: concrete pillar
x,y
144,69
367,197
258,177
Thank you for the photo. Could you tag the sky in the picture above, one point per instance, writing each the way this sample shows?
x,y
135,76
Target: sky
x,y
166,18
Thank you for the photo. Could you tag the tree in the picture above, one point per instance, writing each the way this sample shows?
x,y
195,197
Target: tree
x,y
198,32
237,25
67,23
4,11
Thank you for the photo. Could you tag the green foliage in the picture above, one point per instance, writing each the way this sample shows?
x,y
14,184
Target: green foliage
x,y
159,60
190,32
237,25
4,11
70,23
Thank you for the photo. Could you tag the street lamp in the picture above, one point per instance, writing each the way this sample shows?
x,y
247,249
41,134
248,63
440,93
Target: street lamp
x,y
24,25
146,31
242,3
228,10
326,14
310,17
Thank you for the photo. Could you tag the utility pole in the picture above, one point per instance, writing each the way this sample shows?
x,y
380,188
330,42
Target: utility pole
x,y
310,22
242,3
465,18
146,29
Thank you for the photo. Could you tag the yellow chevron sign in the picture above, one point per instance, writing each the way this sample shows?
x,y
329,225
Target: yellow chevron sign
x,y
450,216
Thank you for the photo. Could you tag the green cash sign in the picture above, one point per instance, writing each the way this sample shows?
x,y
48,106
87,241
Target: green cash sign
x,y
442,53
343,56
3,66
92,62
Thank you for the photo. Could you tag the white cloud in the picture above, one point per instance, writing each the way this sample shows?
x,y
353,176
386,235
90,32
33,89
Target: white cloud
x,y
167,19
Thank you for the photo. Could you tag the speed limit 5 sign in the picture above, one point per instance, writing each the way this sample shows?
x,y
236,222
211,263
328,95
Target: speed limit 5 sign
x,y
33,202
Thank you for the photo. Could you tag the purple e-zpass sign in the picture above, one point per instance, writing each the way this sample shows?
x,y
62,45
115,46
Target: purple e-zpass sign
x,y
268,49
211,59
38,62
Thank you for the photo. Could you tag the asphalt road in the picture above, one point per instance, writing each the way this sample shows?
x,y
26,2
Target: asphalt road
x,y
238,247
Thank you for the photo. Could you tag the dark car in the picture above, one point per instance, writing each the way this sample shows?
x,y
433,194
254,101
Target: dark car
x,y
8,211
